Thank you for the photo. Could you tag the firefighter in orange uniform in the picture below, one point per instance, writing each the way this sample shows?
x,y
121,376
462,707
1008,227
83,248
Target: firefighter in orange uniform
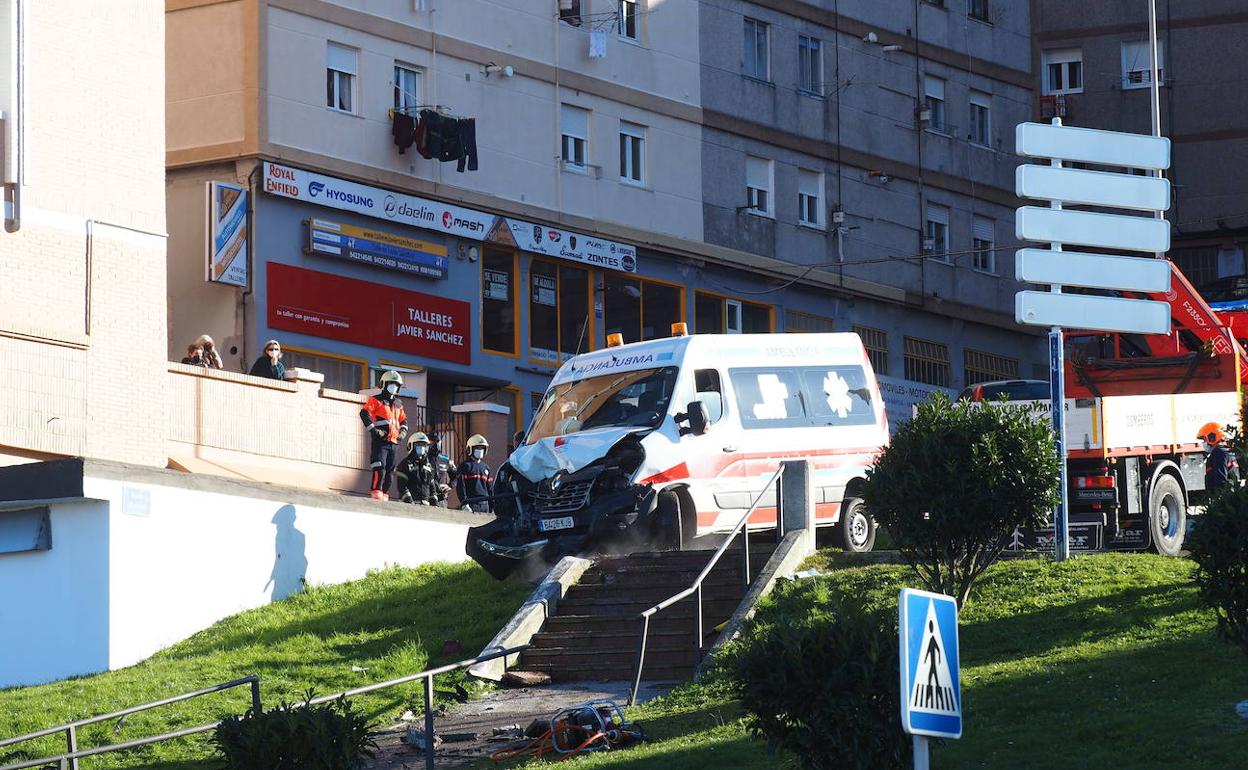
x,y
386,422
1221,468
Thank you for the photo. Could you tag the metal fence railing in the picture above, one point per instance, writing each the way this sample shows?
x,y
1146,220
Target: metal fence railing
x,y
69,760
696,587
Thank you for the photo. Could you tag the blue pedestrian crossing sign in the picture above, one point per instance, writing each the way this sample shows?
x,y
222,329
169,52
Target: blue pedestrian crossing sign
x,y
931,692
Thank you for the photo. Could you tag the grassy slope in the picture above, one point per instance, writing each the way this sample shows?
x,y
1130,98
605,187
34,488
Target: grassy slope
x,y
392,622
1105,661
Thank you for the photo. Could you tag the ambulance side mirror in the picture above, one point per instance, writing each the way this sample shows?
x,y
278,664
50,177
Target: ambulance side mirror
x,y
697,418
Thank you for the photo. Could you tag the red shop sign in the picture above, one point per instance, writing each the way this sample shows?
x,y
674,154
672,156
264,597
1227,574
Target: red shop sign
x,y
373,314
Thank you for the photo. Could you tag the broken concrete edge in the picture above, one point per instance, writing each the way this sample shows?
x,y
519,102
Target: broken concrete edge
x,y
528,620
788,556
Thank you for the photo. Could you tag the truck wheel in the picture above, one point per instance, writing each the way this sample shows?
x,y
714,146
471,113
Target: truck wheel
x,y
1167,516
857,528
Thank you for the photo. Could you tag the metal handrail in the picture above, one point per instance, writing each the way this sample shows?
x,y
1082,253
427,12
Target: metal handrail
x,y
696,587
70,759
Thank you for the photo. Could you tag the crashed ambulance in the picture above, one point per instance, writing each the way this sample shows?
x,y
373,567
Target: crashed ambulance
x,y
653,443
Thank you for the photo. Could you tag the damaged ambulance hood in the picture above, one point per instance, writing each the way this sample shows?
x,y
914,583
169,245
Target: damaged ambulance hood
x,y
566,453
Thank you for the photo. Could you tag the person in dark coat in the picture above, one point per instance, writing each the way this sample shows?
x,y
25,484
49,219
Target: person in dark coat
x,y
473,482
1221,468
270,363
443,471
417,477
195,356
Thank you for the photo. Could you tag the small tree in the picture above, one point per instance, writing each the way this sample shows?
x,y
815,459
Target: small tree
x,y
955,483
817,673
306,736
1219,546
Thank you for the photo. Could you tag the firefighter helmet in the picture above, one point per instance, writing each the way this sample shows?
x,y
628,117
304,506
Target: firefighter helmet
x,y
391,376
1211,433
417,438
477,440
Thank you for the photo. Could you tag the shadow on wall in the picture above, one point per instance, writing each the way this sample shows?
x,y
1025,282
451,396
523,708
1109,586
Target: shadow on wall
x,y
290,560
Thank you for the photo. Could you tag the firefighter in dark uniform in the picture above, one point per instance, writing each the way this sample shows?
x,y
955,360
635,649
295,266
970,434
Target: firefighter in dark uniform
x,y
386,422
416,475
1221,468
472,479
443,471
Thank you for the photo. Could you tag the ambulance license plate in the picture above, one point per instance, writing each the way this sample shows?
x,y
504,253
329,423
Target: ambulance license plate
x,y
550,525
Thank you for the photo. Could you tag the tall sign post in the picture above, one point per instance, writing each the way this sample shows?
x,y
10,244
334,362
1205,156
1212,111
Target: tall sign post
x,y
1058,225
931,686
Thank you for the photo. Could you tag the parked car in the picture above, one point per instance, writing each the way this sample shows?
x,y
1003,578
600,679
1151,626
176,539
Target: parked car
x,y
1012,390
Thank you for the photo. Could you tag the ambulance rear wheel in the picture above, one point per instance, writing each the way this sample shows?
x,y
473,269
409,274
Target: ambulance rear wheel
x,y
1167,515
857,529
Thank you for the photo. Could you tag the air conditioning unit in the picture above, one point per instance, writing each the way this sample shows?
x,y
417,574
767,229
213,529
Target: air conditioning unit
x,y
929,245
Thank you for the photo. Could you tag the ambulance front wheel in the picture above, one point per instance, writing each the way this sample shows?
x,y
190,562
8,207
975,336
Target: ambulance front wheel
x,y
673,529
857,528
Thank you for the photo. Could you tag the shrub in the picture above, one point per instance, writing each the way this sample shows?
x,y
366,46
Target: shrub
x,y
325,736
820,682
1219,546
956,481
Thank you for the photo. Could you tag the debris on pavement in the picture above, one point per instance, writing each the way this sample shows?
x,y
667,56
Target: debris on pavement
x,y
418,740
526,678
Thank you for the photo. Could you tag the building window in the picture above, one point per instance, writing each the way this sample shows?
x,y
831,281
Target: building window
x,y
640,309
1200,265
983,245
927,362
341,66
876,343
570,11
406,88
810,65
936,233
981,118
628,19
934,95
978,366
980,9
715,314
809,193
758,178
1063,71
1137,68
796,322
574,124
348,374
632,153
498,301
756,53
558,312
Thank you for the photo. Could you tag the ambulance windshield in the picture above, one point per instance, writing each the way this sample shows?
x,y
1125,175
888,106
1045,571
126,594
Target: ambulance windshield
x,y
628,399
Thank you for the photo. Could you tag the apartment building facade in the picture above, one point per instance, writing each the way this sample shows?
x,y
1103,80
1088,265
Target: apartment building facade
x,y
82,251
1093,66
613,141
875,138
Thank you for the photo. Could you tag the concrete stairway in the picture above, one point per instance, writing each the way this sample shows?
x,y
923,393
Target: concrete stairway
x,y
595,631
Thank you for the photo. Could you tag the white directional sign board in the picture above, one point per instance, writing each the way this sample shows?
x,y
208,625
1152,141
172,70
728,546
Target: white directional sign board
x,y
931,688
1133,230
1087,228
1082,311
1093,271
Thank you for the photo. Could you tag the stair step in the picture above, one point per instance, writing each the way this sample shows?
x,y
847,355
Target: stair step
x,y
648,595
676,579
667,640
611,661
606,624
623,607
651,673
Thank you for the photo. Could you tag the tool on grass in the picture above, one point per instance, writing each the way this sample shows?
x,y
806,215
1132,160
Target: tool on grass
x,y
596,725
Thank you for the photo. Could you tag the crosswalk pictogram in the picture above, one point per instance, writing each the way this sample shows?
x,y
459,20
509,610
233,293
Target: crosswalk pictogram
x,y
931,694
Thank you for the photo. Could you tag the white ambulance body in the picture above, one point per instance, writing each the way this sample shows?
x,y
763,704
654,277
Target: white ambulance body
x,y
621,428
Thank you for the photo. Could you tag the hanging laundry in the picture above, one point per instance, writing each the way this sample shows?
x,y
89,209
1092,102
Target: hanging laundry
x,y
598,44
404,131
468,144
